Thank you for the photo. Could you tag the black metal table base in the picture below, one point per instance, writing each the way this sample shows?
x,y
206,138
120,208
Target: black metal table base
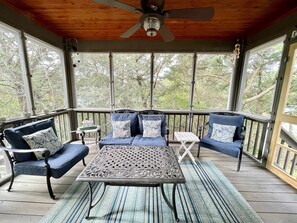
x,y
91,204
172,205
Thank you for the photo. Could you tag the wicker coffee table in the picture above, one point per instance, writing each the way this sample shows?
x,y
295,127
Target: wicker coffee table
x,y
145,166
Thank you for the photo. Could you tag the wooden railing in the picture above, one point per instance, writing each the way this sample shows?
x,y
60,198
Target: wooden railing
x,y
256,127
255,145
286,155
256,136
61,118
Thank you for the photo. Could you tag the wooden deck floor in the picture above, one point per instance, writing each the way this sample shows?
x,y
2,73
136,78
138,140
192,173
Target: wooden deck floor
x,y
273,200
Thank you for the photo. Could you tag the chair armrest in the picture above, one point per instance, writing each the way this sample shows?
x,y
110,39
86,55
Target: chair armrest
x,y
200,128
243,132
99,132
167,136
45,151
167,131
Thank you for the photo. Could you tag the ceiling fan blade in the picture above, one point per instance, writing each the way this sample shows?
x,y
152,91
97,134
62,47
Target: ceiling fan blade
x,y
119,4
166,34
131,31
193,14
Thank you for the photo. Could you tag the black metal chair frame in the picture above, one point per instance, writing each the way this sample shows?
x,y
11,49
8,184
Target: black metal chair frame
x,y
242,137
144,112
46,153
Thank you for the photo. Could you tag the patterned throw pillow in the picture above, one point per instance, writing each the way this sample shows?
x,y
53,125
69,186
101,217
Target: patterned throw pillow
x,y
223,133
151,128
121,129
45,138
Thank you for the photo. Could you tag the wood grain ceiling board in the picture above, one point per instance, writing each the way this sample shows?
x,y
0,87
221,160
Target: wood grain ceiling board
x,y
89,20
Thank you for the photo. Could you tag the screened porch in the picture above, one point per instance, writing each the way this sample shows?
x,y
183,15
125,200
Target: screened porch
x,y
44,75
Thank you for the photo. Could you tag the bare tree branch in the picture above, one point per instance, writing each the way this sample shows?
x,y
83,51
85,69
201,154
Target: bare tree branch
x,y
260,95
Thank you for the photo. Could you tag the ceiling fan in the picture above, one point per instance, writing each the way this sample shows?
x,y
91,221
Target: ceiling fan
x,y
153,16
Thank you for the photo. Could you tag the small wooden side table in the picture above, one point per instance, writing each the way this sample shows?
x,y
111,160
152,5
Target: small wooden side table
x,y
184,138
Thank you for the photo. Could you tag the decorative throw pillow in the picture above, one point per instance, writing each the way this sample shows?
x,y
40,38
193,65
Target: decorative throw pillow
x,y
223,133
45,138
154,117
121,129
151,128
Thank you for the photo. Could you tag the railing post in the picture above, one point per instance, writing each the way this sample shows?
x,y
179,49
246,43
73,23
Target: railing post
x,y
266,146
262,143
190,123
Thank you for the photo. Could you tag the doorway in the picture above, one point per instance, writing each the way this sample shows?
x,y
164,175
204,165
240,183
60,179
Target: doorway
x,y
282,159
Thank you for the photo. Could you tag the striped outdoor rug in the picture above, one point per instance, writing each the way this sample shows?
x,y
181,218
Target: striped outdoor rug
x,y
207,196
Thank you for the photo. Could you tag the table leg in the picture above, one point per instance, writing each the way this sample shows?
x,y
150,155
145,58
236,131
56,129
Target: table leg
x,y
173,205
91,204
82,135
187,151
184,154
183,145
177,152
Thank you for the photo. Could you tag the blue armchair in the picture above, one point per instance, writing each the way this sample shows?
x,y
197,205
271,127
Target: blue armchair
x,y
40,161
226,133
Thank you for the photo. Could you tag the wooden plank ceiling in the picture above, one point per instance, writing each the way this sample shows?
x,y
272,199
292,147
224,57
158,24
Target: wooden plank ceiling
x,y
89,20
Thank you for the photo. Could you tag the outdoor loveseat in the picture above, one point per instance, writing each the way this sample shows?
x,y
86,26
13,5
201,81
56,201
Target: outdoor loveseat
x,y
36,150
136,128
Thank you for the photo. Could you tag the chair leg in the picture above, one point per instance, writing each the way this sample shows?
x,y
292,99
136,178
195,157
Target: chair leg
x,y
239,161
84,162
198,153
11,181
48,181
49,187
10,159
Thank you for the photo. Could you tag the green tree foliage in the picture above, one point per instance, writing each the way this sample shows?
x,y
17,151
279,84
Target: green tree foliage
x,y
213,76
291,107
261,73
172,80
132,80
131,84
92,80
47,73
12,88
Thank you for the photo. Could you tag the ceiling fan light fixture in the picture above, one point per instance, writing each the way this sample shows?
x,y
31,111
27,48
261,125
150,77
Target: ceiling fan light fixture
x,y
151,25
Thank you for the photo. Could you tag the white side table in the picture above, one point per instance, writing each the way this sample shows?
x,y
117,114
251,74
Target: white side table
x,y
184,138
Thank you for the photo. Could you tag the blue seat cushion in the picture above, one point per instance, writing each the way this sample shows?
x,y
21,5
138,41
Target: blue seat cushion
x,y
235,120
127,116
60,162
109,140
14,137
231,149
146,141
161,117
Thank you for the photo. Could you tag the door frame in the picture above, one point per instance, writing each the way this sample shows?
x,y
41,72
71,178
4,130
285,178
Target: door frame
x,y
281,117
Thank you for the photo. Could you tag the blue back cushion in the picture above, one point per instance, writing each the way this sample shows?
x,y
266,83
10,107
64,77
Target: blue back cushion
x,y
235,120
161,117
14,137
127,116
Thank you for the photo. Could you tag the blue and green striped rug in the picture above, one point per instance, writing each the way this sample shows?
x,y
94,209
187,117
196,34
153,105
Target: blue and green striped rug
x,y
207,196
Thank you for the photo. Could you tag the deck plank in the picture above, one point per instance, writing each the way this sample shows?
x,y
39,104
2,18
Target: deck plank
x,y
278,218
11,218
